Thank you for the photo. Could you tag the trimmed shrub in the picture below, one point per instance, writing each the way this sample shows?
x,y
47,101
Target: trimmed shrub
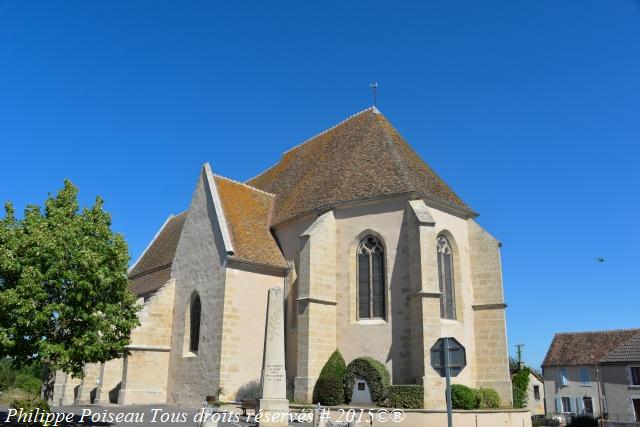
x,y
374,373
249,391
329,389
463,397
488,398
30,404
583,421
405,396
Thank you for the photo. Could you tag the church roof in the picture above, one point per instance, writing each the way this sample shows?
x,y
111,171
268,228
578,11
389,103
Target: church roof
x,y
153,268
248,213
363,157
585,348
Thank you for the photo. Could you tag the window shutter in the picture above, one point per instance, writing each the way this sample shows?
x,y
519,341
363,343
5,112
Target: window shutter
x,y
563,376
629,376
579,406
559,408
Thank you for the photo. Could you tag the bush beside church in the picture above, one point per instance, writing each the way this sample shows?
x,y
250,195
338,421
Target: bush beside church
x,y
336,382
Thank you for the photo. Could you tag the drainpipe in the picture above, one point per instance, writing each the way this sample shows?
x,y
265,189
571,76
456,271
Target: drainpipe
x,y
600,395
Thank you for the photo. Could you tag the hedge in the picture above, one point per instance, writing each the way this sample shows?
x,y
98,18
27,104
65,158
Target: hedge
x,y
374,373
463,397
488,398
329,389
406,396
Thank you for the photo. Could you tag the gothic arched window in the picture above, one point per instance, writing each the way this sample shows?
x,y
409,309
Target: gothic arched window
x,y
445,277
194,330
371,279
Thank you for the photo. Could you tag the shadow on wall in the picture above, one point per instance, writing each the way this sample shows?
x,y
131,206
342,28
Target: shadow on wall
x,y
113,393
400,311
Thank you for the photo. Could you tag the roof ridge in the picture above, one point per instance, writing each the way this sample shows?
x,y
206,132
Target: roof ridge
x,y
372,108
401,166
603,331
244,185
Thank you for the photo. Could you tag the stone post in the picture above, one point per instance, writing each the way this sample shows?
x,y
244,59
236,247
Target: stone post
x,y
425,306
316,304
274,406
88,384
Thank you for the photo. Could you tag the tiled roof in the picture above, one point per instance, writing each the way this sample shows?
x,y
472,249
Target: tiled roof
x,y
585,348
629,351
248,211
153,268
151,281
362,158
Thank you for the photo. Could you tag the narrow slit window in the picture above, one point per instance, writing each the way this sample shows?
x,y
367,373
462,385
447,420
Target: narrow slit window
x,y
445,276
194,337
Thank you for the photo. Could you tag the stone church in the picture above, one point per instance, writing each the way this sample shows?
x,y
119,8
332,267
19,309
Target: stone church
x,y
376,257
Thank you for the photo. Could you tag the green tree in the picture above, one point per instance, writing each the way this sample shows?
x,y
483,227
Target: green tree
x,y
64,291
520,382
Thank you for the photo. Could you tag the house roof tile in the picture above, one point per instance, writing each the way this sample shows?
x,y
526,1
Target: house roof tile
x,y
585,348
629,351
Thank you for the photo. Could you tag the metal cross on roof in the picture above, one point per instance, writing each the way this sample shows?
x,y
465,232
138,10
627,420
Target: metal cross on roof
x,y
374,90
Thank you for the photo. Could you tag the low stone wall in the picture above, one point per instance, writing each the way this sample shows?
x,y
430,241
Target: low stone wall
x,y
620,424
433,418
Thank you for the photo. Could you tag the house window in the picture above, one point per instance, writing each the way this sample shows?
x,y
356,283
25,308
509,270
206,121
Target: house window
x,y
536,392
371,279
194,325
636,408
445,277
564,376
585,378
587,403
566,404
635,375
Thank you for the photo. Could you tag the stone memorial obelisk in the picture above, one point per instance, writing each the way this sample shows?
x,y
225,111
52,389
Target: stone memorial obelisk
x,y
274,406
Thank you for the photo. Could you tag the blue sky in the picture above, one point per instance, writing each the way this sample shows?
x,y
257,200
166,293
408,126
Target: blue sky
x,y
528,109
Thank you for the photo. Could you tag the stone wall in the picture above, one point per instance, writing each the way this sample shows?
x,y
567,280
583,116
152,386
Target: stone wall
x,y
243,329
491,358
198,268
110,382
316,303
408,231
88,385
65,389
149,352
433,418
